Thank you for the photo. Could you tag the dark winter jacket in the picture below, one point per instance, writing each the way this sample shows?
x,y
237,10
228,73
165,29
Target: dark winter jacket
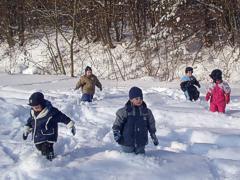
x,y
134,124
188,82
45,125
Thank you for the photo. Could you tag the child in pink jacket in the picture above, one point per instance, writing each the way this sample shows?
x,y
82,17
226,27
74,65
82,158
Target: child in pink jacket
x,y
218,92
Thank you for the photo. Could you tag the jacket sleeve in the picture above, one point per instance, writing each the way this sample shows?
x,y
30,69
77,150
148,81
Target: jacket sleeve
x,y
28,126
151,122
29,122
98,84
80,83
227,91
208,96
195,82
184,85
63,118
226,88
209,91
121,116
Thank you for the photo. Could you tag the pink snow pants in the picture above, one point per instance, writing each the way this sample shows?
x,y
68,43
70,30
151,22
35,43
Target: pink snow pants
x,y
217,107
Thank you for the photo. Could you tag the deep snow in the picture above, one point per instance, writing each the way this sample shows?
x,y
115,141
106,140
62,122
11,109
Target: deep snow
x,y
194,143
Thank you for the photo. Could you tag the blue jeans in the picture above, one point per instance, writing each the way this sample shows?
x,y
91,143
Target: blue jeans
x,y
87,97
130,149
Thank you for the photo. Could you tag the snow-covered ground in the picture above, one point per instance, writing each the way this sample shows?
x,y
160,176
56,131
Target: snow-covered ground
x,y
194,143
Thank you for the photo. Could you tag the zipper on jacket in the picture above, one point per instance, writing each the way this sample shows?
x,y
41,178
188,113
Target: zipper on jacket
x,y
136,116
35,126
135,134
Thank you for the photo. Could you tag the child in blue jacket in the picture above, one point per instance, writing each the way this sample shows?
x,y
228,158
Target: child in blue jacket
x,y
188,83
43,124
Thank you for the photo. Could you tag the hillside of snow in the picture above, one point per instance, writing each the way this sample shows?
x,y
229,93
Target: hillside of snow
x,y
123,62
194,143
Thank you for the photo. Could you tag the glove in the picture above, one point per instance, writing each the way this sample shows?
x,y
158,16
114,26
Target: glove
x,y
208,95
73,130
71,126
227,98
25,135
26,131
117,136
154,139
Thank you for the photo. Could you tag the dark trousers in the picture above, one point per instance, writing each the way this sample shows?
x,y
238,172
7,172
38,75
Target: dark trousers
x,y
46,149
193,93
87,97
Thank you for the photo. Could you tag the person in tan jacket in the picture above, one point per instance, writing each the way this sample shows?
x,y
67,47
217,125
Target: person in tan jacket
x,y
87,82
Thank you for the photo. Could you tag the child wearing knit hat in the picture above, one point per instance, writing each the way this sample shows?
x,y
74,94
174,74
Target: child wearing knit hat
x,y
132,124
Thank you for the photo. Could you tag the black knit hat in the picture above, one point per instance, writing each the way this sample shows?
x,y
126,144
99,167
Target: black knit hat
x,y
135,92
188,69
88,68
216,74
36,99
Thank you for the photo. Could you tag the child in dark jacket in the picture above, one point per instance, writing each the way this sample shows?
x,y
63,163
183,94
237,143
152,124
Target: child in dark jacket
x,y
132,124
188,83
218,92
43,124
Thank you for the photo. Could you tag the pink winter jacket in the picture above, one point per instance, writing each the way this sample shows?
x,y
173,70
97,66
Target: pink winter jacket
x,y
219,93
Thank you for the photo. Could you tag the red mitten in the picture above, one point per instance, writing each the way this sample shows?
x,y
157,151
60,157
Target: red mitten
x,y
227,98
208,95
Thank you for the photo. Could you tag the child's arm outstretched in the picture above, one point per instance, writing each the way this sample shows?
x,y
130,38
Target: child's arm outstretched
x,y
196,82
27,128
63,118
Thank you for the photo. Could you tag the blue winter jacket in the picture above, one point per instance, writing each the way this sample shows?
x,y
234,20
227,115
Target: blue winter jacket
x,y
134,124
44,126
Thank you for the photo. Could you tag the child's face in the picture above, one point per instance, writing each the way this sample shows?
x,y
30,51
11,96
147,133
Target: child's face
x,y
137,101
37,108
88,73
189,73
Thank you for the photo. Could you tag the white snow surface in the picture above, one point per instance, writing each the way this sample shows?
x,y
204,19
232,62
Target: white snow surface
x,y
194,143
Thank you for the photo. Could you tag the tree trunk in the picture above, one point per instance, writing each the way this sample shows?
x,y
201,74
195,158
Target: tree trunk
x,y
21,18
73,37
